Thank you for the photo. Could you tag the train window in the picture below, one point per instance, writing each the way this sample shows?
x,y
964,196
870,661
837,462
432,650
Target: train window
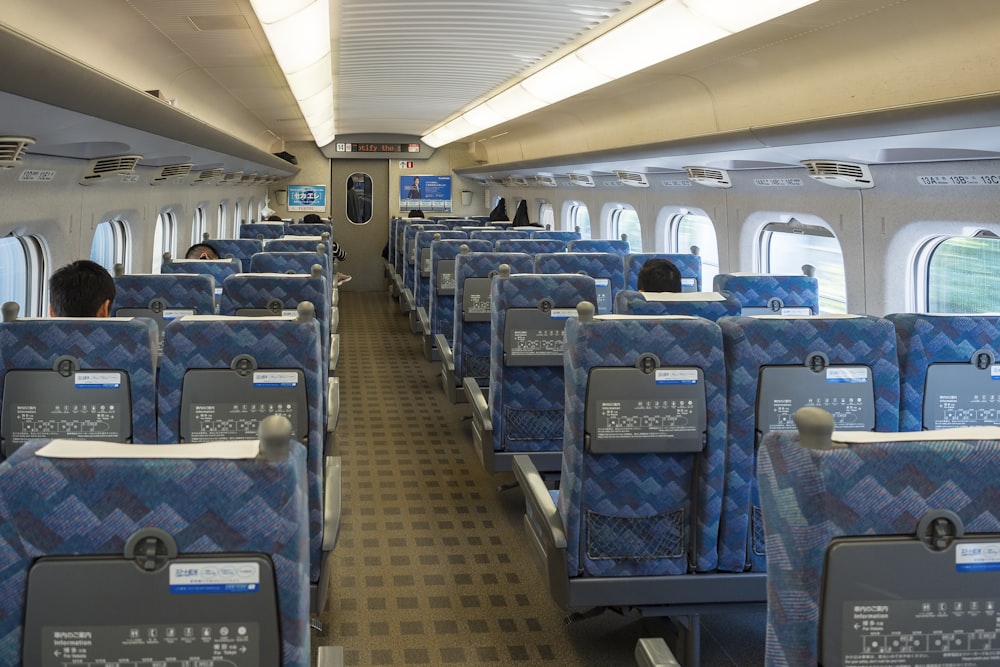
x,y
164,239
546,215
692,229
220,223
252,213
786,246
960,275
22,271
576,217
623,220
198,225
110,245
359,198
237,217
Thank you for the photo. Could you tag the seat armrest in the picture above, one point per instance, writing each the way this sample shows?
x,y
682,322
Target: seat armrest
x,y
480,408
425,321
407,300
331,503
444,349
654,652
539,500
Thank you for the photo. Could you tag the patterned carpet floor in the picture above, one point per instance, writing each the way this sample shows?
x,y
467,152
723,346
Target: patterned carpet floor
x,y
433,566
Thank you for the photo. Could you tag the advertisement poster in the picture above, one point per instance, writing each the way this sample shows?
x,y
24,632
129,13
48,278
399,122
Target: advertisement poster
x,y
425,193
307,198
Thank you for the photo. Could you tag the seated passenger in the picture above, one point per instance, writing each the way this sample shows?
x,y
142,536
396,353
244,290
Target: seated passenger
x,y
201,251
415,213
338,253
659,275
274,217
81,289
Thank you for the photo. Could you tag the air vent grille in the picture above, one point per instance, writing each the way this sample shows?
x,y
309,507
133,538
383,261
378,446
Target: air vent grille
x,y
632,178
232,177
582,180
115,165
207,175
172,171
546,180
516,182
12,150
840,174
712,178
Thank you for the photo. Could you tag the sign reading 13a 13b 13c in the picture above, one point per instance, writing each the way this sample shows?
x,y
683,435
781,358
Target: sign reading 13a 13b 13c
x,y
307,198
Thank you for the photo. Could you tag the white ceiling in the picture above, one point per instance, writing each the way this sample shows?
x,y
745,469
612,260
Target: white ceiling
x,y
400,66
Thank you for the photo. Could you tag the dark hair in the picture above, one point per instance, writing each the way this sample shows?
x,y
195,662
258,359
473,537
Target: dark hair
x,y
198,249
274,217
659,275
80,289
415,213
311,219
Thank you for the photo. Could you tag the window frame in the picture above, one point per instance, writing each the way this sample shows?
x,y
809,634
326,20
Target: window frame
x,y
924,257
611,214
794,226
121,239
568,218
36,270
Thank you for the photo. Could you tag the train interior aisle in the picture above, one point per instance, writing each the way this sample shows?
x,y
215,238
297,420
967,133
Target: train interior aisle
x,y
433,565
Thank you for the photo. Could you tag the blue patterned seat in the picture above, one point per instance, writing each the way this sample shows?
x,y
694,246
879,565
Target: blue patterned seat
x,y
763,294
308,229
840,348
811,496
409,268
636,524
278,293
279,344
710,305
607,269
112,345
262,230
558,234
299,263
219,269
689,266
530,246
301,243
471,337
599,245
241,249
525,408
494,235
90,506
951,344
422,282
162,297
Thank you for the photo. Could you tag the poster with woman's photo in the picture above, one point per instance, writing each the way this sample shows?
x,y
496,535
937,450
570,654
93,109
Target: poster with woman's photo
x,y
425,193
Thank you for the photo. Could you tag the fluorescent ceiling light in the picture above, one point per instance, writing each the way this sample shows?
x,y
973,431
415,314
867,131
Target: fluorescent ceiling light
x,y
299,34
665,30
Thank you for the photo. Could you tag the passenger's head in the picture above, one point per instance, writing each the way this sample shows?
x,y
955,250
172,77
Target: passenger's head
x,y
659,275
415,213
274,218
81,289
201,251
312,219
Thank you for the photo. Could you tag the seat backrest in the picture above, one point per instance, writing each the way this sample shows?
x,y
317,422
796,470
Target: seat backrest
x,y
163,297
301,243
238,507
644,449
443,281
530,246
471,337
293,263
271,294
778,364
607,269
262,230
876,486
308,229
599,245
763,294
241,249
710,305
558,234
495,235
207,389
947,367
81,378
689,265
219,269
526,397
422,269
410,250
